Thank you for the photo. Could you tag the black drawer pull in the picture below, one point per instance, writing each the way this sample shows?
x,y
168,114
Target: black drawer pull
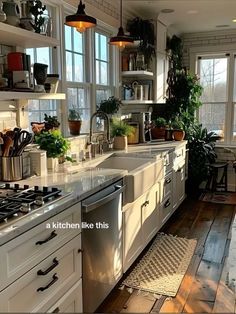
x,y
52,235
167,204
54,279
43,273
145,204
168,181
57,310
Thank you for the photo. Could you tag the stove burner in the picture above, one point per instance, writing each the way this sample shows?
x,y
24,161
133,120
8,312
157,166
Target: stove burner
x,y
16,199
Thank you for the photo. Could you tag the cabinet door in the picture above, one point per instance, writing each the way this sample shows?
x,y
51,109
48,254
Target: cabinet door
x,y
71,302
150,214
161,76
161,37
132,233
166,209
178,187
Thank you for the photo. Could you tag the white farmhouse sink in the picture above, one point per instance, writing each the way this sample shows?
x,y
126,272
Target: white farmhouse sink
x,y
142,173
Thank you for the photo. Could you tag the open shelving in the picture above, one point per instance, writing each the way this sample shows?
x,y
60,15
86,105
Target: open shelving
x,y
16,36
137,102
139,74
28,95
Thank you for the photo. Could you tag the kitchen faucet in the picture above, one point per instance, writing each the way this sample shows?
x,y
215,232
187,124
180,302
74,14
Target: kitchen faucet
x,y
105,117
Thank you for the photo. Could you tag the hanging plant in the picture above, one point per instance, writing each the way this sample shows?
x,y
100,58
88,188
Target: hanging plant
x,y
143,30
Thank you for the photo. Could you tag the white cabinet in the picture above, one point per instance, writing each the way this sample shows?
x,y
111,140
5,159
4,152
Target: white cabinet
x,y
178,186
71,302
166,209
150,214
140,223
43,264
161,37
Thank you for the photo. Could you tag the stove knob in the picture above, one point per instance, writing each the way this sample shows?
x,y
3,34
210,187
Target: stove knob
x,y
16,186
25,208
45,189
26,187
36,188
8,186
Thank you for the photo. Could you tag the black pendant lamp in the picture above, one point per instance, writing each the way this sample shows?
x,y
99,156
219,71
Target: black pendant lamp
x,y
80,20
121,40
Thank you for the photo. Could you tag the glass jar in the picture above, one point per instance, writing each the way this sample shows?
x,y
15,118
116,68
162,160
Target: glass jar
x,y
140,61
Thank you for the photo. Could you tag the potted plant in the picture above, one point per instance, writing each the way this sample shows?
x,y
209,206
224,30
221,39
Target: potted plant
x,y
110,106
54,144
74,121
51,122
120,130
178,128
159,128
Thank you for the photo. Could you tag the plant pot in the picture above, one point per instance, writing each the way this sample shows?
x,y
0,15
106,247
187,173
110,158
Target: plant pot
x,y
178,135
52,164
120,142
158,132
74,127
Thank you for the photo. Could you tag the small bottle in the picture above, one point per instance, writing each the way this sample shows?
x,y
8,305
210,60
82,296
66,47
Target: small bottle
x,y
131,62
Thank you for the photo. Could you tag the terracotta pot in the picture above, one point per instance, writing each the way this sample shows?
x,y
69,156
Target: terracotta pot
x,y
74,127
158,132
178,135
120,142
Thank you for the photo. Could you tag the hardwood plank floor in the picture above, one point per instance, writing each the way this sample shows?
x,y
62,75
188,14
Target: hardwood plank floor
x,y
209,283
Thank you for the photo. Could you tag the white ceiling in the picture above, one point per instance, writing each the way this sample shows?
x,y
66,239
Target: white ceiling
x,y
189,15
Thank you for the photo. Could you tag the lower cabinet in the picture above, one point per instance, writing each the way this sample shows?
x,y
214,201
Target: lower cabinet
x,y
166,209
178,186
140,224
71,302
44,284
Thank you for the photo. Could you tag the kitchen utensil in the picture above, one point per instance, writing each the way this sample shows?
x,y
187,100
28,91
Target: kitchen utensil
x,y
8,143
3,16
21,140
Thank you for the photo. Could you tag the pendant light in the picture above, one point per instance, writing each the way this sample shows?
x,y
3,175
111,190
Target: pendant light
x,y
80,20
121,40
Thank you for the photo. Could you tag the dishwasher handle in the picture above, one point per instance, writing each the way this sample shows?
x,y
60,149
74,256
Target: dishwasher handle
x,y
89,207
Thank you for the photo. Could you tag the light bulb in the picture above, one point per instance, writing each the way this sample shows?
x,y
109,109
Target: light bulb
x,y
80,27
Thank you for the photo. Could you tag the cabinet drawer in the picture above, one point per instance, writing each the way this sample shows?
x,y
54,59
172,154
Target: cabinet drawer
x,y
24,252
71,302
166,209
43,285
168,163
167,185
179,155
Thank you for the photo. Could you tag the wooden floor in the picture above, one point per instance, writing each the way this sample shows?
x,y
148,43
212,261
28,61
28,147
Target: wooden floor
x,y
209,284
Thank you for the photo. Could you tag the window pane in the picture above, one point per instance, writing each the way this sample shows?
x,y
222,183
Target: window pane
x,y
104,73
69,66
72,97
97,72
43,55
212,116
234,126
78,68
103,48
31,53
97,46
101,94
68,41
213,78
78,42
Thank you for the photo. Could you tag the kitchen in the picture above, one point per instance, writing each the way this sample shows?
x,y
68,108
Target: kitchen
x,y
71,232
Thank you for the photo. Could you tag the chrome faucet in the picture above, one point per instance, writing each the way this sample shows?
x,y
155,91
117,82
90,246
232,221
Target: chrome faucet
x,y
105,117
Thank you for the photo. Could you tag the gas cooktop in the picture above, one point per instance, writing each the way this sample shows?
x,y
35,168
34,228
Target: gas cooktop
x,y
17,201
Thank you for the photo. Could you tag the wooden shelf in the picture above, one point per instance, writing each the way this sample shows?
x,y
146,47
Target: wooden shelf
x,y
140,74
16,36
25,95
137,102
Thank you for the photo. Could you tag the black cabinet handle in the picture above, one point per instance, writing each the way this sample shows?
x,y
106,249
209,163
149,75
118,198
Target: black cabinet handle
x,y
54,279
57,310
52,235
145,204
168,181
167,204
43,273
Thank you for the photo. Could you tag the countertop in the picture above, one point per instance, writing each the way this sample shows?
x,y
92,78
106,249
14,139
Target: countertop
x,y
77,182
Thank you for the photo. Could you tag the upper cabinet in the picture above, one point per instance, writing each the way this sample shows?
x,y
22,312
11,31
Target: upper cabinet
x,y
16,36
161,37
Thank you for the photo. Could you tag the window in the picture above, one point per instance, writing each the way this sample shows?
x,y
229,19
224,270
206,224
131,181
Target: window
x,y
214,73
37,108
102,67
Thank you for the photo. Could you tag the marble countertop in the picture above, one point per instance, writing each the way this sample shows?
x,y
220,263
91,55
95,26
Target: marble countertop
x,y
77,182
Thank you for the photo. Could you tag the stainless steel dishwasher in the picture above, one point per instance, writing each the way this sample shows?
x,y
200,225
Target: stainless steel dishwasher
x,y
102,244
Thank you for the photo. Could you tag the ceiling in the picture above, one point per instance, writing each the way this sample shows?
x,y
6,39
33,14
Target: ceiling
x,y
189,15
